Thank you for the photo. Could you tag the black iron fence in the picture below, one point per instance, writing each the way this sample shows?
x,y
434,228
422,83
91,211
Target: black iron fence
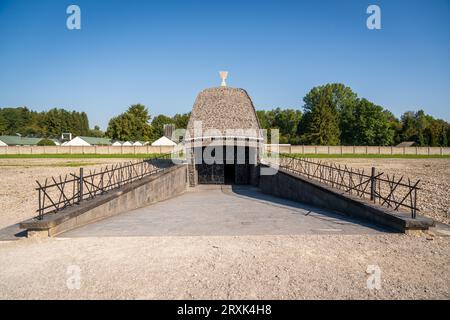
x,y
57,193
387,190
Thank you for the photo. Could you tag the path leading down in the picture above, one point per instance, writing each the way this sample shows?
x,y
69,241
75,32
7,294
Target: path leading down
x,y
223,211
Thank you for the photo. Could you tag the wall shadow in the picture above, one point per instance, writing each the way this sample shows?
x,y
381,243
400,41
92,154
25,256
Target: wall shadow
x,y
256,194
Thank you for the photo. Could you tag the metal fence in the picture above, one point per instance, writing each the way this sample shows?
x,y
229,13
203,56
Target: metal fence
x,y
387,190
57,193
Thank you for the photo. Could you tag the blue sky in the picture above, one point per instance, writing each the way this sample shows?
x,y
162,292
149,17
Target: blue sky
x,y
162,53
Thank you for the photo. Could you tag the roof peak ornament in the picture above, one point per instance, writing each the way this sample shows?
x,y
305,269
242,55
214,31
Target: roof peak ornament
x,y
223,76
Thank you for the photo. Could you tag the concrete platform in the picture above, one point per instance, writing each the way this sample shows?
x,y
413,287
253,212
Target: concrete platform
x,y
224,210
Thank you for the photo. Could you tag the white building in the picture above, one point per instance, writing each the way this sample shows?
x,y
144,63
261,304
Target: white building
x,y
140,143
163,142
88,141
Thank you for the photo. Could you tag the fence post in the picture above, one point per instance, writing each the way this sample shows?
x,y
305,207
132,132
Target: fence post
x,y
372,185
414,209
80,196
40,205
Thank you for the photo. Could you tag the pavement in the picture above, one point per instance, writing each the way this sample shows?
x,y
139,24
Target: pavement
x,y
224,211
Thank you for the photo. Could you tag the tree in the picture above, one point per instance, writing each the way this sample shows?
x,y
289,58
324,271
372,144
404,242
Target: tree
x,y
320,123
370,126
46,142
132,125
96,132
158,125
285,120
50,123
2,124
395,126
181,120
14,120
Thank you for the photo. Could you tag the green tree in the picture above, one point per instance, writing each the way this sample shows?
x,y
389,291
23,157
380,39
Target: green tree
x,y
96,132
158,125
46,142
320,123
181,120
370,125
285,120
2,124
132,125
14,120
395,126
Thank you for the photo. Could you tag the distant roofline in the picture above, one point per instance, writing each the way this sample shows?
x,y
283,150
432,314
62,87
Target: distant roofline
x,y
225,137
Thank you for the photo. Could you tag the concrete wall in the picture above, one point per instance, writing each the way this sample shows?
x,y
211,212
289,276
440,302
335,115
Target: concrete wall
x,y
161,186
284,149
290,186
85,150
365,150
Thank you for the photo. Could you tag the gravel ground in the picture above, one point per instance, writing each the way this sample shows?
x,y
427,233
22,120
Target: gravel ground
x,y
239,267
233,267
434,198
18,197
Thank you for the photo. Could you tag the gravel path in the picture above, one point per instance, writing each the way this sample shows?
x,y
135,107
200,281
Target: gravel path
x,y
236,267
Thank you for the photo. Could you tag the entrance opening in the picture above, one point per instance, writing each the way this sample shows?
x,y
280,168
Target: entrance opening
x,y
230,172
234,168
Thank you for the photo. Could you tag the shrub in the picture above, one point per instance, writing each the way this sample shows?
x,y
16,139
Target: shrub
x,y
46,142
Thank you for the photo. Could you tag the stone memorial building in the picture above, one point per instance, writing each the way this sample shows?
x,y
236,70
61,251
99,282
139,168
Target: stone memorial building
x,y
223,138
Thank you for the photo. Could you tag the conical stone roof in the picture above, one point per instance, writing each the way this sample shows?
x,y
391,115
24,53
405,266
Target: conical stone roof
x,y
224,109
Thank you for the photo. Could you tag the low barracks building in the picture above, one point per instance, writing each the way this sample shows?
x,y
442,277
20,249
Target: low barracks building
x,y
223,138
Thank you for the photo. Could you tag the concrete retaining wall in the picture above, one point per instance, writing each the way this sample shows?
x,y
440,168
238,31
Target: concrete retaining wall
x,y
291,186
152,189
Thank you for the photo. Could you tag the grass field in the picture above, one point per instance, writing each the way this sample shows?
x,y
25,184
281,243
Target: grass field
x,y
153,155
62,164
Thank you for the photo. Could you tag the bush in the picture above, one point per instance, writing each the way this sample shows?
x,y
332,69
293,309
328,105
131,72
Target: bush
x,y
46,142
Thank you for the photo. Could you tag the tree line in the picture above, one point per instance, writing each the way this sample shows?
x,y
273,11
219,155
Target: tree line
x,y
43,124
135,125
332,114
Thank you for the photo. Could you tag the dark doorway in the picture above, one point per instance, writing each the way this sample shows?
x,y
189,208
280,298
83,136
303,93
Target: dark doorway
x,y
234,168
230,173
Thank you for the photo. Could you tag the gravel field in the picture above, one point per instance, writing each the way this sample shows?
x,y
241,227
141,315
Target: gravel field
x,y
18,197
233,267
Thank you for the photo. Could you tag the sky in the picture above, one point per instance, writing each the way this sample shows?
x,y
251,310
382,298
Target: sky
x,y
163,53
